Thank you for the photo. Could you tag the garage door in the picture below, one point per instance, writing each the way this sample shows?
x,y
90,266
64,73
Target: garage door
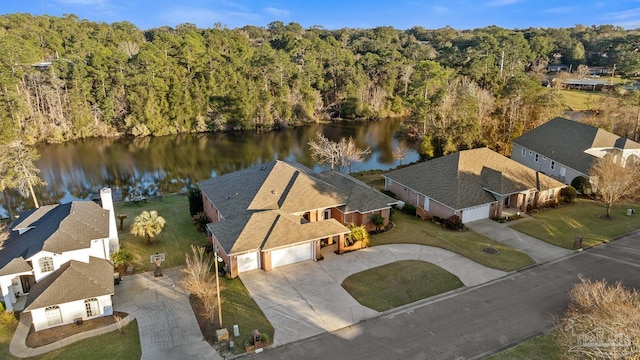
x,y
247,262
291,255
475,213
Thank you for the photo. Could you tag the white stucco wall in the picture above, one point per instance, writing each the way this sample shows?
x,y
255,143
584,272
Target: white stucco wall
x,y
71,311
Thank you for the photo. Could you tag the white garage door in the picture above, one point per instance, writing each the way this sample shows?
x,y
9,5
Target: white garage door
x,y
247,262
291,255
475,213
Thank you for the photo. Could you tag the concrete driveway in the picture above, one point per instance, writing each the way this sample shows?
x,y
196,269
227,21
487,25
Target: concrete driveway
x,y
167,326
306,299
538,250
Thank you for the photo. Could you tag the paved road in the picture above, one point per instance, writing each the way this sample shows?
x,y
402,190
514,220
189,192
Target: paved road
x,y
475,322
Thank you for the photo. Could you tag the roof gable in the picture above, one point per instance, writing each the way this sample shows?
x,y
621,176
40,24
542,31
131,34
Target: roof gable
x,y
74,280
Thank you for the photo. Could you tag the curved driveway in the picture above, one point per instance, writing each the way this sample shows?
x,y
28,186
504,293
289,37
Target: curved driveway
x,y
306,299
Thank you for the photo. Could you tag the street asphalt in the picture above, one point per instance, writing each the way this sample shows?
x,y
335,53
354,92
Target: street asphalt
x,y
477,321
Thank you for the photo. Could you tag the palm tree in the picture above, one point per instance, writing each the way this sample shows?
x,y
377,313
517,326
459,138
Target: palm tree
x,y
147,224
358,233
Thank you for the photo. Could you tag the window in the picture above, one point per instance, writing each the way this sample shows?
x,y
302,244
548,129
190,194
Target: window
x,y
53,314
536,158
347,218
91,306
552,165
46,264
530,152
524,152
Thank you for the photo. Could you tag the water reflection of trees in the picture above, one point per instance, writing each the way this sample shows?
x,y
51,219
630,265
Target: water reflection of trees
x,y
168,164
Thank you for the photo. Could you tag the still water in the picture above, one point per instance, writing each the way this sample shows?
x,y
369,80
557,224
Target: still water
x,y
76,170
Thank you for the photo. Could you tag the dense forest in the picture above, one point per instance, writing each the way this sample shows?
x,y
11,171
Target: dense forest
x,y
68,78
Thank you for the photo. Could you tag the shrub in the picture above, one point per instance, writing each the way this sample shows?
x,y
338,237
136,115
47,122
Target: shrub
x,y
568,193
389,193
409,209
601,321
377,220
582,185
454,222
121,258
195,201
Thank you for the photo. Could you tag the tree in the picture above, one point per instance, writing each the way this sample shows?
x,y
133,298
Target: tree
x,y
148,224
18,171
400,152
613,180
602,321
340,155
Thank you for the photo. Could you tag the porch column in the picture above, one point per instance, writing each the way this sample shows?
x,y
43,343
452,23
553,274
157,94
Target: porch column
x,y
340,243
318,254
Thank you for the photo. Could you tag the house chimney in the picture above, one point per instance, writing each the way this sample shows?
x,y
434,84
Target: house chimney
x,y
107,203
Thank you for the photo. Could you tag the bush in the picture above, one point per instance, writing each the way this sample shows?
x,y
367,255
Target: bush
x,y
454,222
409,209
599,316
582,185
389,193
568,193
377,220
195,201
121,258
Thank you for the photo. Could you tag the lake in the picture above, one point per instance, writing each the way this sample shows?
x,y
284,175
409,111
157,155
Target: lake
x,y
76,170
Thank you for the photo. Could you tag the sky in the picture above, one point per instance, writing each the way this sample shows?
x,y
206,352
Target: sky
x,y
331,14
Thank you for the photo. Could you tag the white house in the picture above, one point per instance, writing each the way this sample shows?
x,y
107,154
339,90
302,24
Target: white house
x,y
55,263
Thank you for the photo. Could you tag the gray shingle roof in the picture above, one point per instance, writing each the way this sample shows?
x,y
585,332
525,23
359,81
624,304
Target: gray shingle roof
x,y
359,196
56,228
258,202
459,180
74,280
566,141
15,266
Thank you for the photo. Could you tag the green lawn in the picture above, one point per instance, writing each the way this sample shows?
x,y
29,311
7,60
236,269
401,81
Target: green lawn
x,y
412,230
113,345
581,99
175,239
542,347
240,308
8,325
583,218
388,286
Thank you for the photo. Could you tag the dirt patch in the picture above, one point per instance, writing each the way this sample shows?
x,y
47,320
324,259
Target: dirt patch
x,y
48,336
491,251
207,326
